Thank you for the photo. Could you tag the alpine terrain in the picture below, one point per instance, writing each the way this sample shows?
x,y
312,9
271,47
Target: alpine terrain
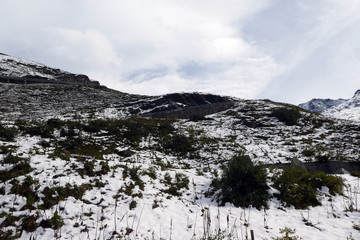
x,y
81,161
341,108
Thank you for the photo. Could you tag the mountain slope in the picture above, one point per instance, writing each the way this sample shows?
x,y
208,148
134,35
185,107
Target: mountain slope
x,y
86,162
32,91
17,70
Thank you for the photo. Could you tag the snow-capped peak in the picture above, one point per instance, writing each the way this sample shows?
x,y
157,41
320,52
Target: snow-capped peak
x,y
348,109
357,94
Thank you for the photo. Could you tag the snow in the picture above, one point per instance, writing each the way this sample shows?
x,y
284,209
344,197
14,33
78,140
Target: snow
x,y
105,208
99,214
16,67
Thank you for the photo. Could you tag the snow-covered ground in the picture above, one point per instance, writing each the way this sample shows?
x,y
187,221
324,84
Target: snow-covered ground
x,y
159,215
73,183
116,204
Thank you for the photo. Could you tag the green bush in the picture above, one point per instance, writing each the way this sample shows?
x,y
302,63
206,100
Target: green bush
x,y
287,232
308,152
179,144
243,183
26,189
181,181
8,133
151,172
105,168
133,204
300,189
355,174
29,223
132,129
56,194
288,116
11,159
56,222
134,173
54,123
19,169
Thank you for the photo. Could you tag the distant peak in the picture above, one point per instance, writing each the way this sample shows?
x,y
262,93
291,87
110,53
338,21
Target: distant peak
x,y
357,93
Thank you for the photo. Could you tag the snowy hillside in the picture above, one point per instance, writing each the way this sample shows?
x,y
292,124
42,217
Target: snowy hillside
x,y
13,68
85,162
16,67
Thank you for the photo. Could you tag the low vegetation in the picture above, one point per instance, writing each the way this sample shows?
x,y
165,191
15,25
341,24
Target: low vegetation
x,y
289,116
8,133
242,183
121,165
19,169
299,188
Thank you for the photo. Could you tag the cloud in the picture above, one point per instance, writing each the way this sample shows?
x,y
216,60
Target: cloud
x,y
283,50
90,51
144,47
315,43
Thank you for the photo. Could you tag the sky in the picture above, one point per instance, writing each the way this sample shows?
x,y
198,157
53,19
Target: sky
x,y
284,50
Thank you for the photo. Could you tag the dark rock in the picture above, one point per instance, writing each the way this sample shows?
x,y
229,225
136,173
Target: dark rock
x,y
125,153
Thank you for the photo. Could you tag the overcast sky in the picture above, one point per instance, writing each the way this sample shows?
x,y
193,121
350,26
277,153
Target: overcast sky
x,y
285,50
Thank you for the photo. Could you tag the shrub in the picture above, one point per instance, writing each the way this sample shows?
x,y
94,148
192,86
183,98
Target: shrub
x,y
197,118
181,181
89,168
132,205
134,174
243,183
8,133
151,172
323,158
56,222
287,232
56,194
288,116
26,189
19,169
11,159
180,144
308,152
105,168
6,149
29,223
39,129
355,174
131,129
53,123
299,188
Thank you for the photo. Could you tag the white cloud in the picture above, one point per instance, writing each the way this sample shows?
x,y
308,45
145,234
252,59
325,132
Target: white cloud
x,y
315,41
145,46
229,47
336,16
92,47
